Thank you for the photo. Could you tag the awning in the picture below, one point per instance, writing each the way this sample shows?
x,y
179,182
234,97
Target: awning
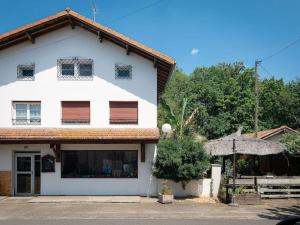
x,y
78,135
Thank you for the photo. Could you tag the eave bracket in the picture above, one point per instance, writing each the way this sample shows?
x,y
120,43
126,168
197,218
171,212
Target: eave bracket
x,y
30,38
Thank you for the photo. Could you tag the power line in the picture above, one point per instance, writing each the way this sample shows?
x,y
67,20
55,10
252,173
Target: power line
x,y
135,11
267,71
281,50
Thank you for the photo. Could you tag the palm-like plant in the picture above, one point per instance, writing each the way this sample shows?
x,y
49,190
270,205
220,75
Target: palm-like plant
x,y
178,122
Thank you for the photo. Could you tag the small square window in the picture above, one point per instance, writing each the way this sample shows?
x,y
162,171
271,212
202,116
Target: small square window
x,y
85,69
26,72
67,69
123,71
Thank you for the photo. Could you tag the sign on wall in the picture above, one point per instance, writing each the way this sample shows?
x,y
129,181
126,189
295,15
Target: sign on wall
x,y
48,163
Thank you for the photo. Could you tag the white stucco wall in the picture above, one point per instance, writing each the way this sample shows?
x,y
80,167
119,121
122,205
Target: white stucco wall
x,y
46,87
53,184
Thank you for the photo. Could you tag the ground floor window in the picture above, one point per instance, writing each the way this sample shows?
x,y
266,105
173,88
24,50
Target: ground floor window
x,y
99,164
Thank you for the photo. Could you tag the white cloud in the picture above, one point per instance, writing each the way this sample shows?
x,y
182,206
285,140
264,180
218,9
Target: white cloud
x,y
194,51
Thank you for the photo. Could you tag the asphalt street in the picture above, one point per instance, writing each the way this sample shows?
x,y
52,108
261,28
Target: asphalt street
x,y
210,221
20,211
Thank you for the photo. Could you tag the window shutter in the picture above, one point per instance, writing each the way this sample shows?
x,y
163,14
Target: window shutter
x,y
123,112
75,112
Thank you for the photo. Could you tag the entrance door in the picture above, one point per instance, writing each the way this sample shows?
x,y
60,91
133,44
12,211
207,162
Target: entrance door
x,y
27,173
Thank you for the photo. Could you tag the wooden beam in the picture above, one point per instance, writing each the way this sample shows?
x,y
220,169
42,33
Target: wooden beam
x,y
143,153
72,24
30,38
100,36
155,62
127,49
56,150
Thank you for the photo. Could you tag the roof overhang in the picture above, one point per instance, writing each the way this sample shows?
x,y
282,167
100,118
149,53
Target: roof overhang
x,y
164,64
78,135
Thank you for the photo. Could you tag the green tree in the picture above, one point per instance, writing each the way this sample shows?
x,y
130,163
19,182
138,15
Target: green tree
x,y
224,98
181,160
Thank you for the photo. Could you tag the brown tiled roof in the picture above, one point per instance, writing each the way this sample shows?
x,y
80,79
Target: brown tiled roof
x,y
78,135
164,64
264,134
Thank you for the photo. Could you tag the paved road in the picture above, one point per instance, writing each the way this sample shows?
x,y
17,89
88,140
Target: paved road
x,y
21,212
140,222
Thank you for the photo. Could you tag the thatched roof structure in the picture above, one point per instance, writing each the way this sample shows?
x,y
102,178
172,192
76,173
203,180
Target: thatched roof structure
x,y
244,145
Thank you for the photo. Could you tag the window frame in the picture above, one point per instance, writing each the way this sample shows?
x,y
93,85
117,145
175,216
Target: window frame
x,y
29,120
62,176
118,67
76,62
21,68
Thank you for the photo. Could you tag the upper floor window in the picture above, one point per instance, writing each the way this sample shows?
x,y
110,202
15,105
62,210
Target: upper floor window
x,y
75,68
26,72
75,112
123,112
123,71
26,113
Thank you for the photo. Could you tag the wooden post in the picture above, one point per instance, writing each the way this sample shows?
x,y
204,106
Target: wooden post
x,y
224,164
143,154
234,165
56,150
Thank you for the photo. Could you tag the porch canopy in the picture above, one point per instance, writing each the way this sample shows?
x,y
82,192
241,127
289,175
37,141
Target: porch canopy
x,y
243,145
78,135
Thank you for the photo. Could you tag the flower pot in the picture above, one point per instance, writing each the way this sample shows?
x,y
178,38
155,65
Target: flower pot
x,y
165,198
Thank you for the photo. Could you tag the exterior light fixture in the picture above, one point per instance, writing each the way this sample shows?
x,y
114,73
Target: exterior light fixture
x,y
166,128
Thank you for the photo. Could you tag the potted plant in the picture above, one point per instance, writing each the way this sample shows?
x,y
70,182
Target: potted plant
x,y
166,194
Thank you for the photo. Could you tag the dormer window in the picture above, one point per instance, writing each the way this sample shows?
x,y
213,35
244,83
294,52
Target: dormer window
x,y
75,68
26,72
123,71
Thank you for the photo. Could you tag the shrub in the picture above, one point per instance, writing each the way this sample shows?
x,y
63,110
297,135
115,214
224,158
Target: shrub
x,y
181,160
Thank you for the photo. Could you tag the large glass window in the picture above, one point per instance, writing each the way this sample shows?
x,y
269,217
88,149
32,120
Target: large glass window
x,y
100,164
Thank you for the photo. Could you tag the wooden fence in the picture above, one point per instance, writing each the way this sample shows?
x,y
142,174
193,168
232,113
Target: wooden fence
x,y
269,186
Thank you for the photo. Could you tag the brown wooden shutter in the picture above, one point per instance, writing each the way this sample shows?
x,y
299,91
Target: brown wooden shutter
x,y
75,112
123,112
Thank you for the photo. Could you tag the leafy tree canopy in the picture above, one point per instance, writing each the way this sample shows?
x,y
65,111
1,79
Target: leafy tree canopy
x,y
224,98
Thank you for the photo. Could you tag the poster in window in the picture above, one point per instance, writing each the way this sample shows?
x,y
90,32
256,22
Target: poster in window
x,y
48,163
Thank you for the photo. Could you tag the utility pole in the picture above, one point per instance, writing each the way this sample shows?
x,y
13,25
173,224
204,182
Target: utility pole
x,y
257,62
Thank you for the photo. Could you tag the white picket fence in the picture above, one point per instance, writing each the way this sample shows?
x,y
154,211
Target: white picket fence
x,y
269,186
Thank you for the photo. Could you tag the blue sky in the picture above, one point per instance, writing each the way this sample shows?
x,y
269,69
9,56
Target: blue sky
x,y
217,30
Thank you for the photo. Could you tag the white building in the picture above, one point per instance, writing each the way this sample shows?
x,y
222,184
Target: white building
x,y
78,109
